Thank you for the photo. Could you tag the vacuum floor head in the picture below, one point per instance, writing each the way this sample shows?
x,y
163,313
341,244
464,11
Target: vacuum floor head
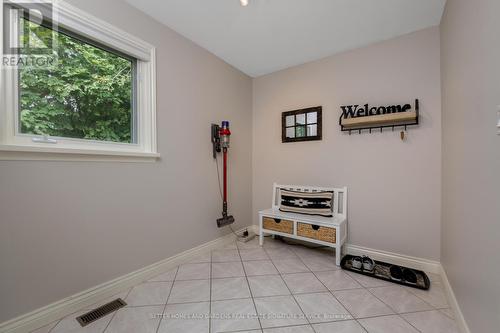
x,y
224,221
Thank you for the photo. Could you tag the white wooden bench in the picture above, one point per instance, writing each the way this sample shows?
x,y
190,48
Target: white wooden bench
x,y
327,231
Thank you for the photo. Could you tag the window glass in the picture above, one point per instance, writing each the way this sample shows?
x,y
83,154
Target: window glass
x,y
300,131
312,117
301,119
88,95
312,130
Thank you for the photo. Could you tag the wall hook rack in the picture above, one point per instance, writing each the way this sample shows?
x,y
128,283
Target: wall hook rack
x,y
356,118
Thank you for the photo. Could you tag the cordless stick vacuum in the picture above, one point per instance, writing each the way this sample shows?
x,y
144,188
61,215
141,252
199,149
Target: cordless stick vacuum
x,y
220,141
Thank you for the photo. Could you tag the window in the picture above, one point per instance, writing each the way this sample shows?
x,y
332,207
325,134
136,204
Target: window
x,y
88,95
93,95
302,125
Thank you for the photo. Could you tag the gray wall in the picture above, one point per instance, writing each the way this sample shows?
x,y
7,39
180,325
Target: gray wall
x,y
394,186
470,47
67,226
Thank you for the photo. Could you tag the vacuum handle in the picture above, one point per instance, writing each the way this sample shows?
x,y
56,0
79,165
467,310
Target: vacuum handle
x,y
215,140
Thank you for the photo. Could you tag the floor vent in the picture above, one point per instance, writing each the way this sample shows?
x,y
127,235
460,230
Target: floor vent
x,y
100,312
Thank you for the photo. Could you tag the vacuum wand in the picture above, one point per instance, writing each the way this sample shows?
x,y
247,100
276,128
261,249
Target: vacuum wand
x,y
224,154
220,139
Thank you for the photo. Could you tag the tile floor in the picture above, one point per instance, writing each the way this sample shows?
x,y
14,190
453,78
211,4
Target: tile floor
x,y
275,289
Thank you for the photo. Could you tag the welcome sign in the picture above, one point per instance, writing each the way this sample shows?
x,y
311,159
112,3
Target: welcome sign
x,y
359,117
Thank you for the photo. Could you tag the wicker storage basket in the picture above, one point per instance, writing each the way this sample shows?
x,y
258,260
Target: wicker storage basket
x,y
283,226
324,234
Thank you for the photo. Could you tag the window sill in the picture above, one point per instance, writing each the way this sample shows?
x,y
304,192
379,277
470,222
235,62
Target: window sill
x,y
36,153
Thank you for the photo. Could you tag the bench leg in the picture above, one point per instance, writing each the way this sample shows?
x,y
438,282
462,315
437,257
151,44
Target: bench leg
x,y
261,234
338,254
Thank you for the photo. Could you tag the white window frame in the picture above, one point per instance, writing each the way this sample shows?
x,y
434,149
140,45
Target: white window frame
x,y
17,146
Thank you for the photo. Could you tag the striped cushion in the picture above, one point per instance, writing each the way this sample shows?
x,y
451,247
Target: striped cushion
x,y
310,203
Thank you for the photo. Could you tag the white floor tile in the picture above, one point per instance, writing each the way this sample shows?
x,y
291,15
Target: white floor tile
x,y
369,282
337,280
149,293
431,322
270,243
132,320
361,303
306,253
320,263
293,265
303,251
230,288
46,328
189,301
448,312
225,255
300,283
199,271
269,285
234,315
206,257
229,246
165,277
185,318
254,243
71,325
322,307
190,291
387,324
253,254
291,329
279,311
280,253
261,267
435,296
227,269
349,326
399,299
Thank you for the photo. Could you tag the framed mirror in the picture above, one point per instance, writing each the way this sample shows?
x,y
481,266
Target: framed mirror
x,y
302,125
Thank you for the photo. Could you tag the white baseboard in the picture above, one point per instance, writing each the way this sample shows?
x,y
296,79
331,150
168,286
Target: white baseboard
x,y
425,265
60,309
457,312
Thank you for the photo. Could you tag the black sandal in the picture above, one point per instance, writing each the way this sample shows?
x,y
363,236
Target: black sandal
x,y
409,276
396,273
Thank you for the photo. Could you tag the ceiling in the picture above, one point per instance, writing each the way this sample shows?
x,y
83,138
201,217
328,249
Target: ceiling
x,y
270,35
